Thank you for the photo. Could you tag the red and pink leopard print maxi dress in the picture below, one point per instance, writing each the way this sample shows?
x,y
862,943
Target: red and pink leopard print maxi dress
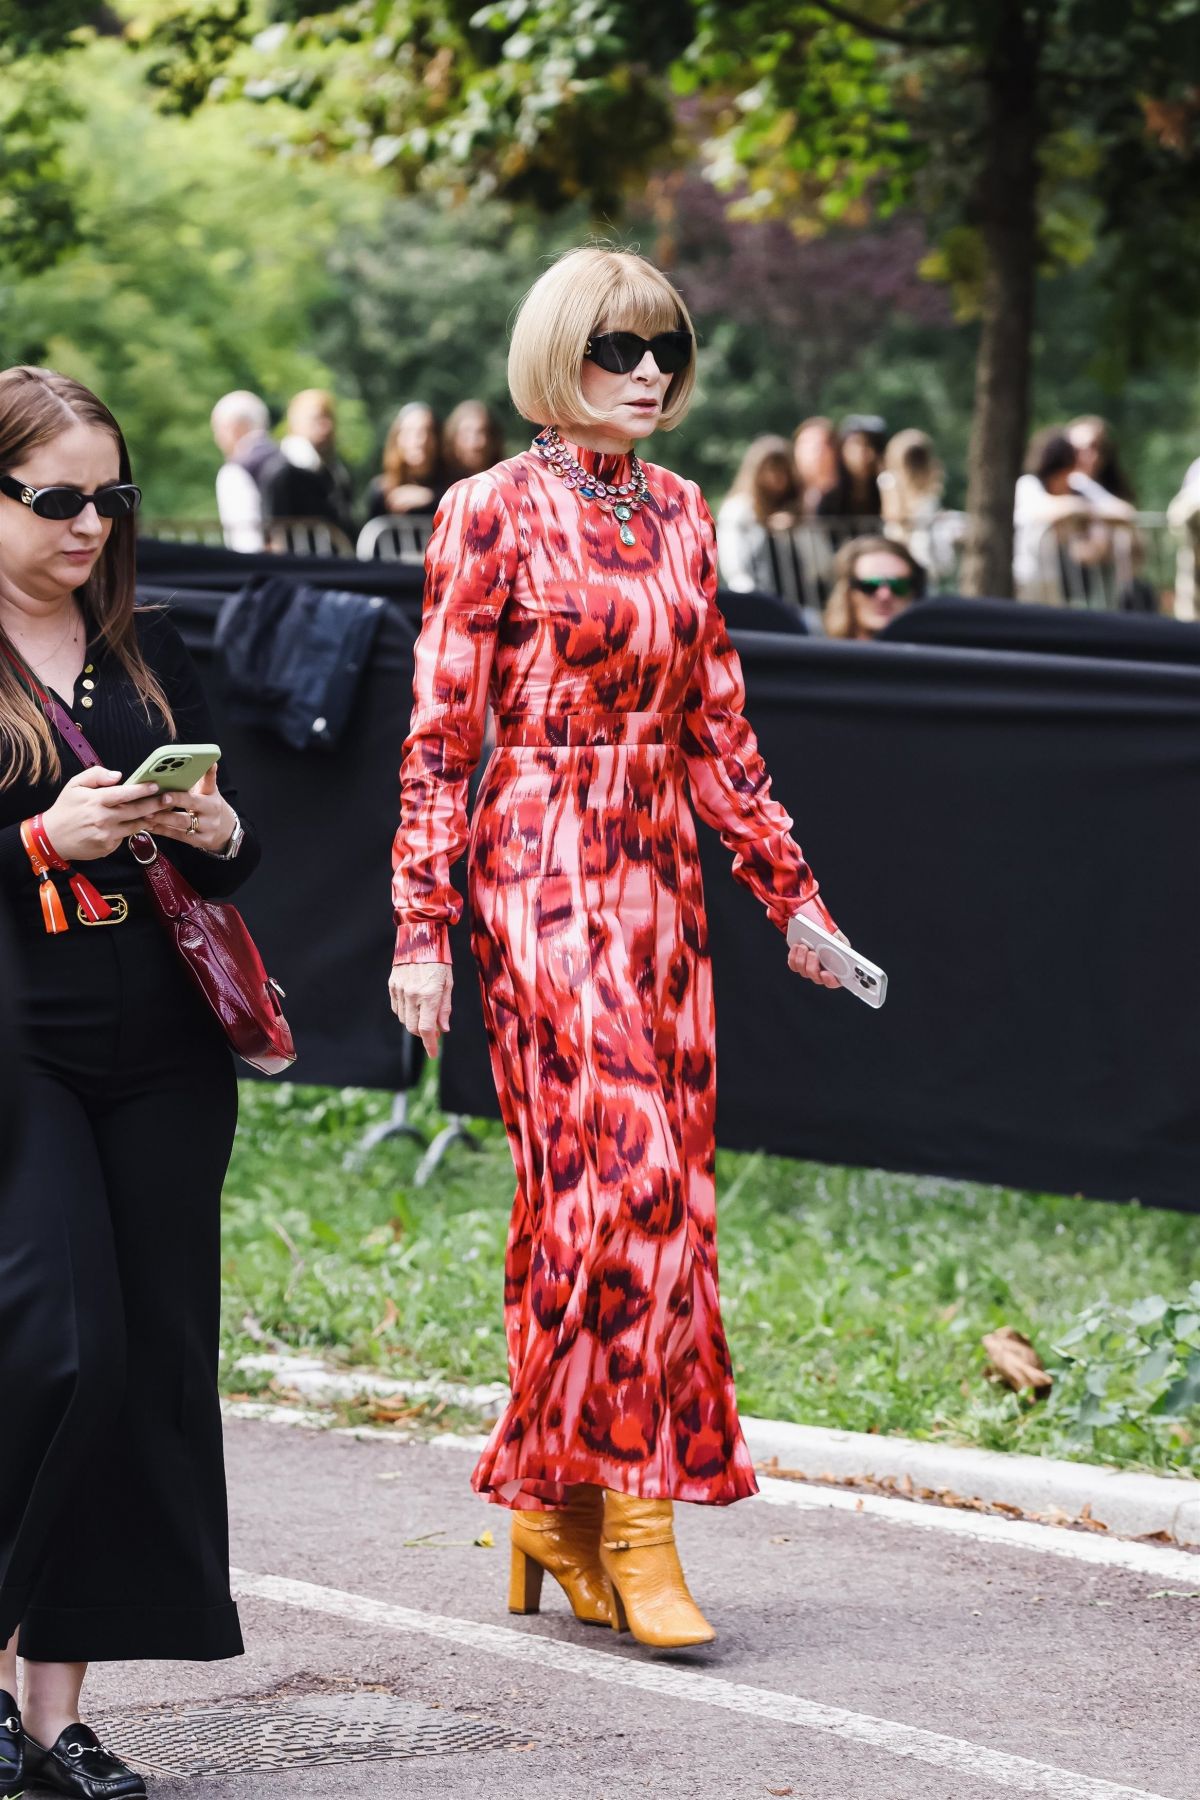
x,y
615,691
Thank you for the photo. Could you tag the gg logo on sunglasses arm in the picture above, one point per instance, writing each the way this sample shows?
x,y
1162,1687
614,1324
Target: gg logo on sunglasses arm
x,y
116,501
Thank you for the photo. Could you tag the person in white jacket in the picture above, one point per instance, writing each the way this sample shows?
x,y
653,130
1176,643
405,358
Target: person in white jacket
x,y
1183,516
764,498
241,430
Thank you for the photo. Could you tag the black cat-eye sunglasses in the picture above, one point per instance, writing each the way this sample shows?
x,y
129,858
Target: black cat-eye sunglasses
x,y
116,502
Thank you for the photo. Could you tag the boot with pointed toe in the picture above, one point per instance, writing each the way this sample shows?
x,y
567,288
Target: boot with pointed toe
x,y
12,1755
648,1592
77,1764
564,1543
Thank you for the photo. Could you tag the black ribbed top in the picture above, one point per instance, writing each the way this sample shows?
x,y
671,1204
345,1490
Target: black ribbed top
x,y
118,730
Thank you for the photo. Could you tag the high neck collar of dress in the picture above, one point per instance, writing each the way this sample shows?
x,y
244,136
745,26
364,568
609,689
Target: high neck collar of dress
x,y
606,465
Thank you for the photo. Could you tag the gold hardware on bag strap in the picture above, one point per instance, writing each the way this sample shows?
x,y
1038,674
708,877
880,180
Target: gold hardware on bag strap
x,y
118,916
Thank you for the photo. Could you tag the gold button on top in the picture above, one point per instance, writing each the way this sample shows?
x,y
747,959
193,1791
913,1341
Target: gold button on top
x,y
88,667
86,701
89,684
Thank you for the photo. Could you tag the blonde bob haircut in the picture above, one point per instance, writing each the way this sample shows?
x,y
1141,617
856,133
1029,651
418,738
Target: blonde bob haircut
x,y
591,289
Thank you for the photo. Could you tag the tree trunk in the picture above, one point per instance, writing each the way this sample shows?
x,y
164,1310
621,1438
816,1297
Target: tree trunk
x,y
1008,224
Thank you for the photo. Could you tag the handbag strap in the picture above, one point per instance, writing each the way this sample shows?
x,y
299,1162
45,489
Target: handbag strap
x,y
71,734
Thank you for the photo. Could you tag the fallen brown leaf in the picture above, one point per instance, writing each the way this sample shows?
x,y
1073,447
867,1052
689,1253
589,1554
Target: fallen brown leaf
x,y
1013,1361
390,1315
394,1412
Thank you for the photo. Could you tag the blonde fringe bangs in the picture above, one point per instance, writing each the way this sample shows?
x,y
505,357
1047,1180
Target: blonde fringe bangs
x,y
592,289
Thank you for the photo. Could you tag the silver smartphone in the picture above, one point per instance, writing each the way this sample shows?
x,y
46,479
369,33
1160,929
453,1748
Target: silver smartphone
x,y
866,980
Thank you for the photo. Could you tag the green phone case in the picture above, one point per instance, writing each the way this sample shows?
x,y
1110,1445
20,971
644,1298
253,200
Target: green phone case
x,y
176,767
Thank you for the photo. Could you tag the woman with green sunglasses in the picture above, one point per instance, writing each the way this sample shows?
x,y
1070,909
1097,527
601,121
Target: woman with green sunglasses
x,y
875,580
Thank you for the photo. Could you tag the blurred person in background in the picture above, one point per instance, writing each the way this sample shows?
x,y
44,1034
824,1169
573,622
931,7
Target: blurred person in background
x,y
818,462
472,441
911,484
875,580
412,479
764,498
856,494
309,480
1096,459
241,429
1183,517
1064,523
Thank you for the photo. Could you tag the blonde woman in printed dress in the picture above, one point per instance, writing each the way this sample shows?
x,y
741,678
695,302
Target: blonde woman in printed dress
x,y
574,587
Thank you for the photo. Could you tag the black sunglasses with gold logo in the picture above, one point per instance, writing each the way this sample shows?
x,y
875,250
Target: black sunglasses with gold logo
x,y
114,502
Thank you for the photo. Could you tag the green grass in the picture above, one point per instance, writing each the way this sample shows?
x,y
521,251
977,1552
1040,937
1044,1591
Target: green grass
x,y
852,1298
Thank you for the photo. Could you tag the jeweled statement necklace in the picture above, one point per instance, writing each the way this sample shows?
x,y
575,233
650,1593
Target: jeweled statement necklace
x,y
622,499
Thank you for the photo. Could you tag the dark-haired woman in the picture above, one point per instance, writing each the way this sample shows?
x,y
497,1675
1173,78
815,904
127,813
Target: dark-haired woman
x,y
412,479
1066,528
113,1534
473,440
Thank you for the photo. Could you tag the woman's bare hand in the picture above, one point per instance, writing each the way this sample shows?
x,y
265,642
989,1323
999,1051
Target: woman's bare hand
x,y
420,993
807,962
96,812
214,816
410,496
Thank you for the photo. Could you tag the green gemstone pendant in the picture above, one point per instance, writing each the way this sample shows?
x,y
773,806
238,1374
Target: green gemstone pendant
x,y
623,514
627,536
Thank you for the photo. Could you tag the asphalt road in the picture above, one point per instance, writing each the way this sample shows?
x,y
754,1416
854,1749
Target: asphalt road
x,y
857,1659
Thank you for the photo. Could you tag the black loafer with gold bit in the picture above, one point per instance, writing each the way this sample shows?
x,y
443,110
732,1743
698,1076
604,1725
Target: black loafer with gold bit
x,y
12,1761
78,1764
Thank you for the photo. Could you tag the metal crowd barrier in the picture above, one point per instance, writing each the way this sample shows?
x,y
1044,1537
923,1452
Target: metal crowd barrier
x,y
802,558
394,538
1139,566
1134,565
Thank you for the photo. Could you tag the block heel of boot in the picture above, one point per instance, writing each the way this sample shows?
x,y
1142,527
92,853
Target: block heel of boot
x,y
525,1577
620,1620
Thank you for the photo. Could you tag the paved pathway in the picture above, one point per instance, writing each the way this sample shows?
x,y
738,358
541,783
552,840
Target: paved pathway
x,y
857,1659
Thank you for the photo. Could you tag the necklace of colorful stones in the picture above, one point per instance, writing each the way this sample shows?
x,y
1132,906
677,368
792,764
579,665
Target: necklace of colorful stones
x,y
621,499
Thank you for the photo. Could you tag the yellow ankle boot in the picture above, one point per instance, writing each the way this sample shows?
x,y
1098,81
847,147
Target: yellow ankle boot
x,y
565,1542
648,1592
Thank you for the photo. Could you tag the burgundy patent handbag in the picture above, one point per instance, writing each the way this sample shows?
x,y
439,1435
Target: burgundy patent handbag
x,y
212,941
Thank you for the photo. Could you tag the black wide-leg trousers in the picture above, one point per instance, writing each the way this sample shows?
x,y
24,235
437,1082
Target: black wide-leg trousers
x,y
113,1519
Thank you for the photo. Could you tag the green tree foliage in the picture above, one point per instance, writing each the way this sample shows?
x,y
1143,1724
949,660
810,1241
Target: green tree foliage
x,y
38,220
1032,133
199,266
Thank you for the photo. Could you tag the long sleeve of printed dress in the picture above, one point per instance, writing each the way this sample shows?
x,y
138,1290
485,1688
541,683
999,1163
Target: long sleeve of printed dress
x,y
471,561
729,782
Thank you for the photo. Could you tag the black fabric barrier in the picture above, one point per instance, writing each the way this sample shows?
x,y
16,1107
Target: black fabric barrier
x,y
1012,838
1011,835
1052,630
319,903
208,568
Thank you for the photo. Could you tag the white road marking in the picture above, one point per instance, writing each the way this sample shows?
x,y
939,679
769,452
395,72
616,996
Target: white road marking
x,y
1019,1773
1158,1560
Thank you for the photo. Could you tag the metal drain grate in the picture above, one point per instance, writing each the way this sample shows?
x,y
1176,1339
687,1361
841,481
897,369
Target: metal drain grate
x,y
293,1734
